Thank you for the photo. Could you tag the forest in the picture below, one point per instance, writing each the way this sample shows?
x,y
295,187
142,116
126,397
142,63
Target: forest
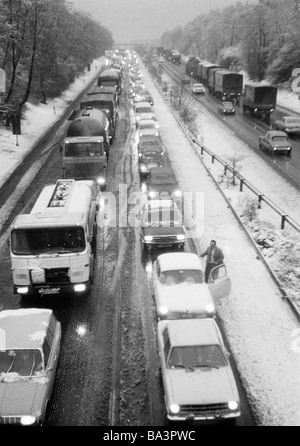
x,y
44,45
263,39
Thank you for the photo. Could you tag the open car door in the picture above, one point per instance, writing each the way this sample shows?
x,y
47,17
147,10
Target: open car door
x,y
219,282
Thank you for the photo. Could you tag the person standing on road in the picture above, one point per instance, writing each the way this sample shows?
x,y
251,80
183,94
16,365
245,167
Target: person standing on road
x,y
215,257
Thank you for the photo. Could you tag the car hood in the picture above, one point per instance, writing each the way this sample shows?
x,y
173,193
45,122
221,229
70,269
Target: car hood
x,y
21,397
185,298
201,386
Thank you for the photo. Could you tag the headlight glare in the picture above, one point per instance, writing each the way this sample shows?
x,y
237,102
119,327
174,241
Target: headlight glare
x,y
174,408
163,310
233,405
27,420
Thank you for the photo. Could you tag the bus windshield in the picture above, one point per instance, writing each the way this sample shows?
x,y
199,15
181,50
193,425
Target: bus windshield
x,y
47,240
84,149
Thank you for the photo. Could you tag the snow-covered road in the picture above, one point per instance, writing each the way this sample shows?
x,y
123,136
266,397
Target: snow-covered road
x,y
260,326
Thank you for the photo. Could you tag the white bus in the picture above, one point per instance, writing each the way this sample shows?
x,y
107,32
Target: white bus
x,y
52,247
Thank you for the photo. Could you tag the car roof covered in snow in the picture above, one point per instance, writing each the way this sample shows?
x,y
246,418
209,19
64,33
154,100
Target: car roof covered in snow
x,y
179,260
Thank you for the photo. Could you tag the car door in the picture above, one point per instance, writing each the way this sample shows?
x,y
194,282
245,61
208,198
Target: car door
x,y
219,282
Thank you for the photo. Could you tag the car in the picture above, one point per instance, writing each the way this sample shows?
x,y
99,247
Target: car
x,y
154,141
226,108
161,225
185,81
145,109
150,157
162,184
148,130
198,88
29,350
148,97
275,141
179,287
288,124
198,380
139,83
161,59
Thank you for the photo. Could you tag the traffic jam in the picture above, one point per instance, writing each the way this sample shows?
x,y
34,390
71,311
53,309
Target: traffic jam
x,y
115,324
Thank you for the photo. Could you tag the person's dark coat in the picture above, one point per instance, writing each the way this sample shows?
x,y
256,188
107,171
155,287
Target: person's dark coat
x,y
218,255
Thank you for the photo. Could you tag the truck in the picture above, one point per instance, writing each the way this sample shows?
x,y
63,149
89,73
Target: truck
x,y
108,104
52,247
85,148
211,80
260,101
111,77
205,68
228,85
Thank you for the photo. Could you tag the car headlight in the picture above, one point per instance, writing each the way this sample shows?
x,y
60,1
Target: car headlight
x,y
79,288
143,168
177,193
140,154
233,405
163,310
23,290
174,408
28,420
180,237
152,194
210,308
138,118
101,180
148,238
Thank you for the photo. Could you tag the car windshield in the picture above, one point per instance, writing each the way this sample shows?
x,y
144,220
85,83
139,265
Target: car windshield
x,y
151,142
193,356
47,240
279,138
151,153
143,110
162,179
185,276
162,217
198,85
227,104
21,363
293,121
84,149
148,124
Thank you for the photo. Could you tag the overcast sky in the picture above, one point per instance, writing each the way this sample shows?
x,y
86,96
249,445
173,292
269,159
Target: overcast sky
x,y
130,20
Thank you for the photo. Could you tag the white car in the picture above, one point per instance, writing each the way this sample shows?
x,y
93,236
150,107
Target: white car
x,y
180,290
148,127
289,125
198,88
197,377
145,109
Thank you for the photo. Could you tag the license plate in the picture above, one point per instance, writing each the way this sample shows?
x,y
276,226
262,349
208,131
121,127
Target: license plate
x,y
50,291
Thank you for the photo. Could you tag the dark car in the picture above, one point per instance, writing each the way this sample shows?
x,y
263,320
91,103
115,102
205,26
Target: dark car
x,y
162,184
226,108
275,141
148,97
161,225
150,157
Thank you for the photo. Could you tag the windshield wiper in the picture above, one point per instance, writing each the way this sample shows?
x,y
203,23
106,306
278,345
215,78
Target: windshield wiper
x,y
209,366
183,366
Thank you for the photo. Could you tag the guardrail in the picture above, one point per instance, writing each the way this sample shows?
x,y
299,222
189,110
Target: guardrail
x,y
285,218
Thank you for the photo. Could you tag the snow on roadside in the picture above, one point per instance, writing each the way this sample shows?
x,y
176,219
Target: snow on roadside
x,y
36,120
260,326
